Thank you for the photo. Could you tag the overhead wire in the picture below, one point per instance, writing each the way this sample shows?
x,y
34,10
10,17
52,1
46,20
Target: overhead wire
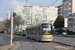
x,y
54,3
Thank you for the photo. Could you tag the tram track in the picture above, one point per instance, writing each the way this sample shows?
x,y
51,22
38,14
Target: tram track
x,y
34,47
49,45
52,44
28,41
63,46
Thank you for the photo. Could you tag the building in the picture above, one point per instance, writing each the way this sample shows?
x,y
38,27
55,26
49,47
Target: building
x,y
60,10
8,15
69,12
36,14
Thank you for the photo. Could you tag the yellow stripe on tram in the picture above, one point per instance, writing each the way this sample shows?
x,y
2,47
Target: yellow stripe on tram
x,y
47,36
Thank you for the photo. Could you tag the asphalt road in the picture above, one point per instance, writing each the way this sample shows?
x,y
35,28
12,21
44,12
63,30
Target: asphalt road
x,y
4,40
27,44
63,39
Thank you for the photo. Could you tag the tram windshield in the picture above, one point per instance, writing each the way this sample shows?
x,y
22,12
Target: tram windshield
x,y
47,29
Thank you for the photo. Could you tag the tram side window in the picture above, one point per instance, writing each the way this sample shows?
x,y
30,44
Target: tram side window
x,y
27,32
33,31
30,31
36,31
39,31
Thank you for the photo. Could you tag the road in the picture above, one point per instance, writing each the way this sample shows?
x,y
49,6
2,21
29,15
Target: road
x,y
27,44
4,40
63,39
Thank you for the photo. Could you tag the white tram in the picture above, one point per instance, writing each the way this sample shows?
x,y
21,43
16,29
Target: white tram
x,y
41,31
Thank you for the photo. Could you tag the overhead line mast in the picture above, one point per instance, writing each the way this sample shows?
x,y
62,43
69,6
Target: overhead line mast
x,y
26,2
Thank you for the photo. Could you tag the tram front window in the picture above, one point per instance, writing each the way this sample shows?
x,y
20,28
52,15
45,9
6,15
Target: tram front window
x,y
46,32
47,29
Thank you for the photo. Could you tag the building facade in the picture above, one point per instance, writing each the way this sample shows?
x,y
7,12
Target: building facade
x,y
69,12
37,14
60,10
8,15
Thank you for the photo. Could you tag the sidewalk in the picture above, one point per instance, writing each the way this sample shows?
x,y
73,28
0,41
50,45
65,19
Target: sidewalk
x,y
64,35
70,35
7,46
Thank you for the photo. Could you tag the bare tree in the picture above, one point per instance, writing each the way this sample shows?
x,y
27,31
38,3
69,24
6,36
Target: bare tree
x,y
1,25
18,21
7,24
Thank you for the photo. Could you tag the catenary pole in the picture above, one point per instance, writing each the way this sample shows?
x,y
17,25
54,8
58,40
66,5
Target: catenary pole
x,y
11,27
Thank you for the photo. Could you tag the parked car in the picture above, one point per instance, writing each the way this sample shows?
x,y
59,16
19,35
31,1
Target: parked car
x,y
64,33
56,33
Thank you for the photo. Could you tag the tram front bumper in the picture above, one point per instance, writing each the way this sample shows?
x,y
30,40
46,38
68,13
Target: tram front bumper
x,y
46,39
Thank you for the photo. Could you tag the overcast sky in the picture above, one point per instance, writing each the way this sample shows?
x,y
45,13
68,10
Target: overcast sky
x,y
8,5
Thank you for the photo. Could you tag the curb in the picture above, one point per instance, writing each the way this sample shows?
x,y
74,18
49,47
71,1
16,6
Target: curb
x,y
13,39
65,44
13,45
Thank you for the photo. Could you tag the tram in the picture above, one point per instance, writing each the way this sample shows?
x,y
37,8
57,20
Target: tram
x,y
40,32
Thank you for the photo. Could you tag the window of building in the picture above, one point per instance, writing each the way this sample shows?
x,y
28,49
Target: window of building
x,y
74,29
74,24
70,1
70,5
69,19
70,14
74,19
70,10
70,24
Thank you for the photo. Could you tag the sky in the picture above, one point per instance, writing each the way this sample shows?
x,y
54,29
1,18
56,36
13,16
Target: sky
x,y
9,5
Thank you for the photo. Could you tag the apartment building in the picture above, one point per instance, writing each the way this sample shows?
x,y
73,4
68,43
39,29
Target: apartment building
x,y
8,15
37,14
60,10
69,12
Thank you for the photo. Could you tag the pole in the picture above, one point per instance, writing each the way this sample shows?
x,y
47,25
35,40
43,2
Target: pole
x,y
11,27
31,18
26,2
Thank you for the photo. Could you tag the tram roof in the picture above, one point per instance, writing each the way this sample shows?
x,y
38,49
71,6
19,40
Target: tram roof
x,y
37,24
